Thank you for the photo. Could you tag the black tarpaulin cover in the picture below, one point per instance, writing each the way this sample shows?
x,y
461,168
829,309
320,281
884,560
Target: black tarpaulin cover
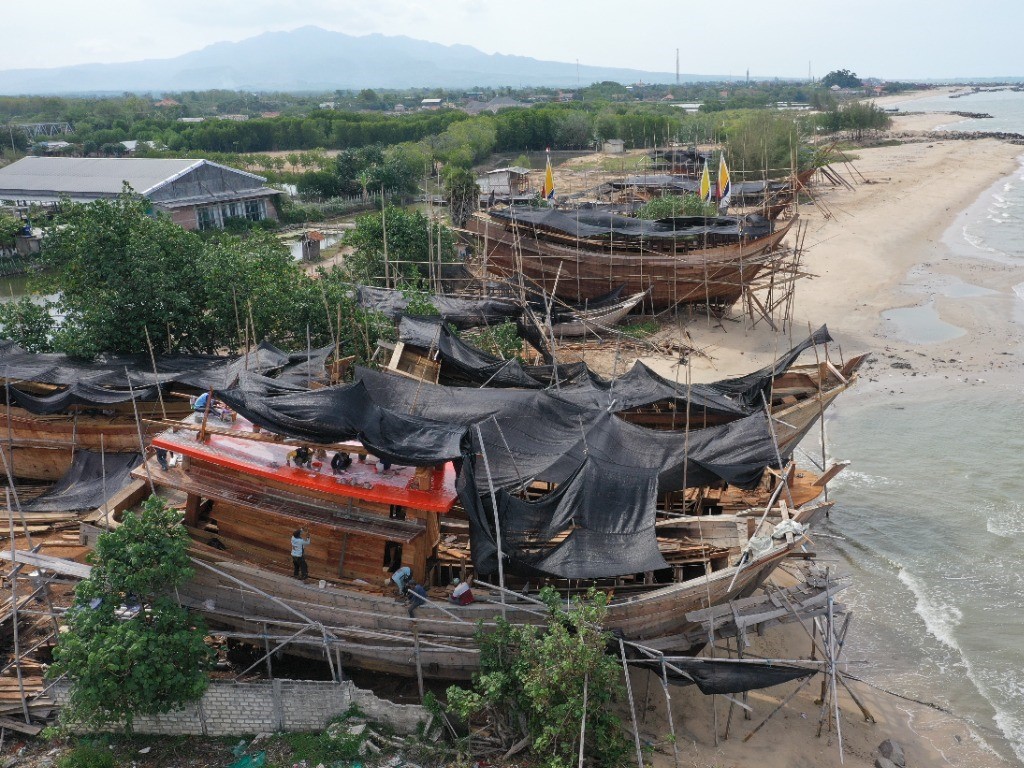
x,y
598,523
749,388
608,471
82,486
471,362
599,225
717,676
461,312
82,394
640,386
577,384
116,371
478,366
336,414
530,434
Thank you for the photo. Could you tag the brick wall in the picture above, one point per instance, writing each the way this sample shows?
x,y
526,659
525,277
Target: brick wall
x,y
234,709
185,217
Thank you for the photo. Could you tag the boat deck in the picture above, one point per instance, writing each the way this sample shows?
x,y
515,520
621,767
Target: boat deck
x,y
259,456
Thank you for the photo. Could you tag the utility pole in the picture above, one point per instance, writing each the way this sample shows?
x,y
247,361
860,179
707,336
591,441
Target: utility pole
x,y
677,67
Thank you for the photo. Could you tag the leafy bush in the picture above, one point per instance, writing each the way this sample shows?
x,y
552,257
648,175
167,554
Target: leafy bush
x,y
410,240
857,116
419,303
668,206
502,340
761,142
9,229
29,323
531,683
150,659
328,747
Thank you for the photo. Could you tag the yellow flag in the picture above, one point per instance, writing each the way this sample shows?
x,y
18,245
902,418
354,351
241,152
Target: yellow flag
x,y
705,184
724,183
549,183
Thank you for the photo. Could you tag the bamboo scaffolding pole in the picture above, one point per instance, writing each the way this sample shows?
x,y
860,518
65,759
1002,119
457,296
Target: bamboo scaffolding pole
x,y
14,612
632,707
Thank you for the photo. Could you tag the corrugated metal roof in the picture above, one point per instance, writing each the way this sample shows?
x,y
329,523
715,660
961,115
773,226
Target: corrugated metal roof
x,y
33,177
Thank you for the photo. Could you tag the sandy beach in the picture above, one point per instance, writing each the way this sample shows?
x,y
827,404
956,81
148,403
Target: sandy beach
x,y
873,248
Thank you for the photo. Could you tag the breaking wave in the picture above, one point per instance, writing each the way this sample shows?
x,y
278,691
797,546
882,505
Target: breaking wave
x,y
939,619
1010,721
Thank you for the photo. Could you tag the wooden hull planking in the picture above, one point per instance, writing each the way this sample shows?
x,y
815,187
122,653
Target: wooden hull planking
x,y
715,275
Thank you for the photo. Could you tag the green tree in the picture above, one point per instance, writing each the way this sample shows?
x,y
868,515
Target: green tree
x,y
320,184
574,130
119,271
249,276
412,243
760,142
9,229
152,659
844,78
29,323
856,116
368,99
531,682
462,193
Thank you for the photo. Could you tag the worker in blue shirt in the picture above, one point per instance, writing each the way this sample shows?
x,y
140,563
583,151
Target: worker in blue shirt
x,y
299,544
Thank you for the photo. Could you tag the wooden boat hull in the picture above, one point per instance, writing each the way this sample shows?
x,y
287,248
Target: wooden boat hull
x,y
596,320
42,445
373,631
715,275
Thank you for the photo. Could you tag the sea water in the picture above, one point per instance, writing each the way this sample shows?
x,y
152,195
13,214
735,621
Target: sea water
x,y
930,517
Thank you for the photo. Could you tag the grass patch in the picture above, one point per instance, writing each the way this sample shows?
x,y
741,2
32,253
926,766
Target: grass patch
x,y
614,164
642,329
87,756
332,745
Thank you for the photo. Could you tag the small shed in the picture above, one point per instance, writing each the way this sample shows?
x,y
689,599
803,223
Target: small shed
x,y
614,147
311,245
504,184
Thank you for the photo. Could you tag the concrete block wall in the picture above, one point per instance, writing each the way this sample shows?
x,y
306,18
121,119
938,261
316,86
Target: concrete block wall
x,y
234,709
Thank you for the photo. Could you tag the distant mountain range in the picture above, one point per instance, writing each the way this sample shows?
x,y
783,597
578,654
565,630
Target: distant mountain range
x,y
314,59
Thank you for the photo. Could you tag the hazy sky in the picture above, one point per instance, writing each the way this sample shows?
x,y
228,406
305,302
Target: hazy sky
x,y
891,38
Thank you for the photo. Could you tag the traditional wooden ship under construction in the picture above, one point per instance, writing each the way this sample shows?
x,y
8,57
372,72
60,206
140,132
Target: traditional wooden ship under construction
x,y
510,489
579,255
56,404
